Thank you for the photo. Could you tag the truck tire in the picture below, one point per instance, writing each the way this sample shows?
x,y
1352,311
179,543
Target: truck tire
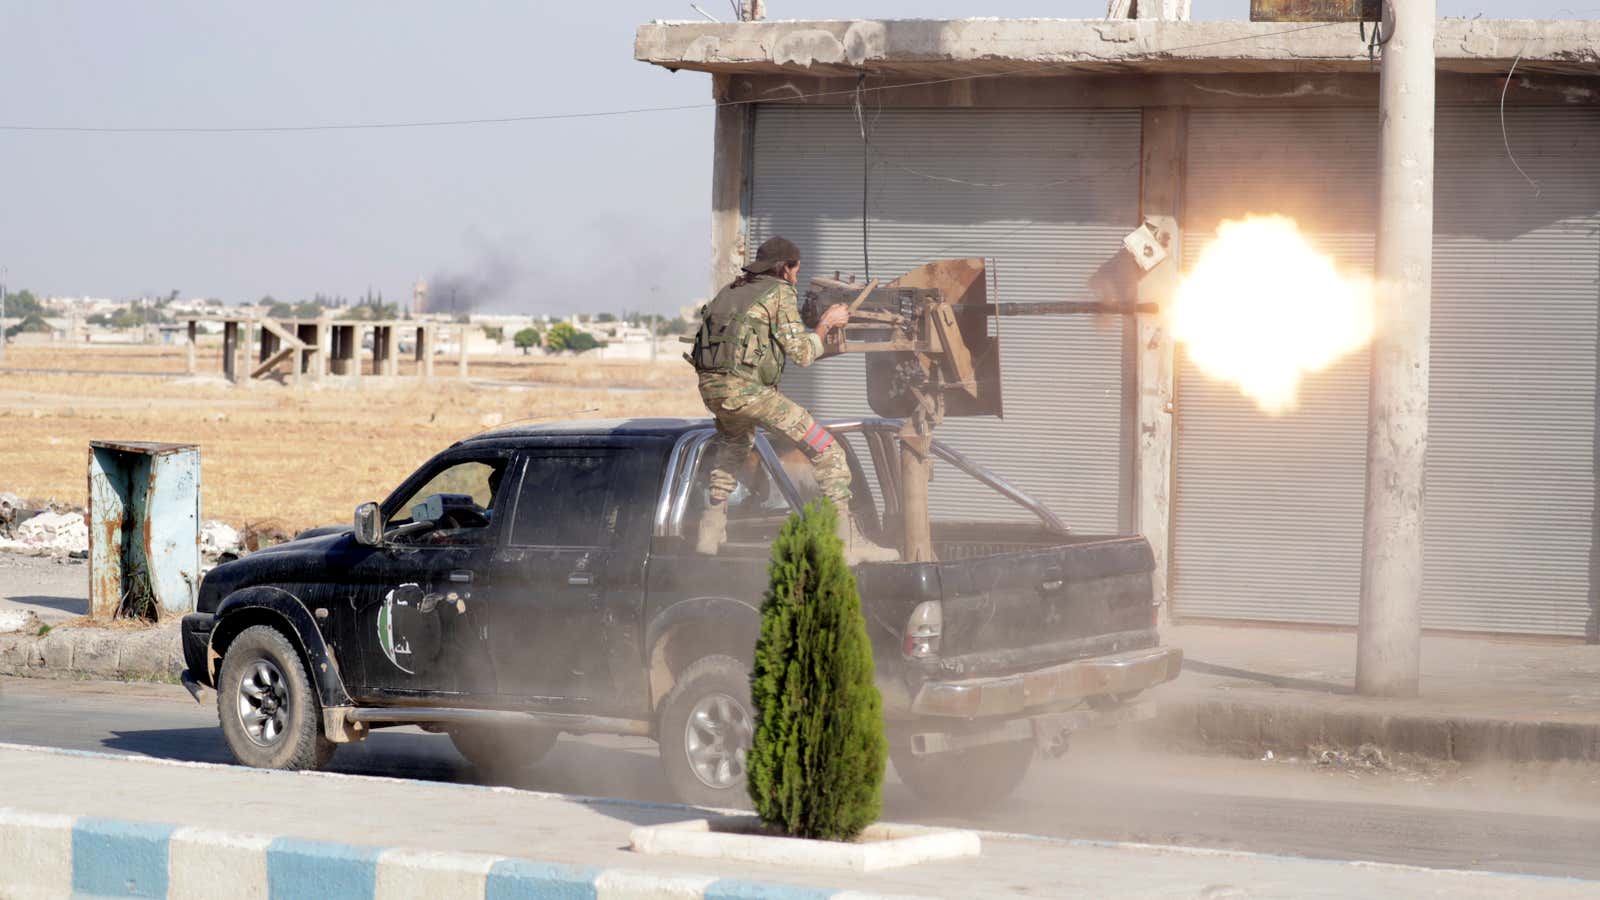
x,y
502,750
704,729
975,778
269,711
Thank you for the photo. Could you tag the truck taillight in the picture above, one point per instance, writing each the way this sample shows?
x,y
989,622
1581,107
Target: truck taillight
x,y
923,630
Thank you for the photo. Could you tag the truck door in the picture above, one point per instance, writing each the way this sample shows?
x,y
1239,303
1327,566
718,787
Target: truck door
x,y
569,580
419,608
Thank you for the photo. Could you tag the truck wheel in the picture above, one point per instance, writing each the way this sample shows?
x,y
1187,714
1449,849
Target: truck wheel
x,y
502,750
268,709
975,778
704,729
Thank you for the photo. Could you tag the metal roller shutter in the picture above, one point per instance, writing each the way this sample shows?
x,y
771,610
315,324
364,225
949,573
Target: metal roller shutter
x,y
1267,510
1047,196
1509,527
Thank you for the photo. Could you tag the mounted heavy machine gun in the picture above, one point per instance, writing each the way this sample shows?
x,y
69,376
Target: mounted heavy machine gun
x,y
932,341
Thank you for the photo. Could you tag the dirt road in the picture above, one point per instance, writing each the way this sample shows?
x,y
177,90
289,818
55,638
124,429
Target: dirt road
x,y
1543,823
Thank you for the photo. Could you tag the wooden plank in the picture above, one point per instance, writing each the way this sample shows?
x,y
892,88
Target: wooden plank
x,y
283,334
894,346
956,360
272,361
862,297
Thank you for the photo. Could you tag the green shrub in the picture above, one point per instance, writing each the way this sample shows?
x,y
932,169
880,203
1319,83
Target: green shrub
x,y
817,760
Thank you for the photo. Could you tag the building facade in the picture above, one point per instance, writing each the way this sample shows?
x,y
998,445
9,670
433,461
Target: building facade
x,y
878,146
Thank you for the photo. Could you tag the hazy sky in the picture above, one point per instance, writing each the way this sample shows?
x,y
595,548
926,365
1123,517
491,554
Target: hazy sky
x,y
588,214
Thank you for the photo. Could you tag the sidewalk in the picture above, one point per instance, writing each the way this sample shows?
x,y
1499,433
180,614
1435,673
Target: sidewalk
x,y
387,831
1252,689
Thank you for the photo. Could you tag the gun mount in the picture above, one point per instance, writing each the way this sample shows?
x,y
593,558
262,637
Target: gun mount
x,y
933,344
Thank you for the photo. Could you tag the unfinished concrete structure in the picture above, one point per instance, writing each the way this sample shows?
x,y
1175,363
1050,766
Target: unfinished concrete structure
x,y
1039,143
317,348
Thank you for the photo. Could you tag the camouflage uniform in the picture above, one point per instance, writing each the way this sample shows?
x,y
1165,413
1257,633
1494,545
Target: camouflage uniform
x,y
743,396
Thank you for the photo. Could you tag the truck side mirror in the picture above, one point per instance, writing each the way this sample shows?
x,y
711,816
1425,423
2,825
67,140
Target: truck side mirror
x,y
369,525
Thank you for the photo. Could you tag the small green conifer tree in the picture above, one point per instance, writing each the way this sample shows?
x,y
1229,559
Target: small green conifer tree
x,y
817,762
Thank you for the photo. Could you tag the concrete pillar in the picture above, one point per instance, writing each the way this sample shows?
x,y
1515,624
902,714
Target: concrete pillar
x,y
1160,198
230,351
730,149
1389,640
189,362
461,337
391,346
357,364
324,339
248,329
424,351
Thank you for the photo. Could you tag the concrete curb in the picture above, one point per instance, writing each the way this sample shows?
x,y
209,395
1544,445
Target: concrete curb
x,y
60,856
1295,724
144,654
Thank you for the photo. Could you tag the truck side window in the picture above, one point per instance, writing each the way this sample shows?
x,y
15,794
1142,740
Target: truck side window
x,y
465,493
568,500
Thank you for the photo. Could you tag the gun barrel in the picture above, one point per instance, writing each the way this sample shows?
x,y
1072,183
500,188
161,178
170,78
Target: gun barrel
x,y
1064,308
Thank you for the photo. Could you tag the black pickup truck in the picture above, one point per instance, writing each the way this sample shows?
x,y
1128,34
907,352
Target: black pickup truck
x,y
539,580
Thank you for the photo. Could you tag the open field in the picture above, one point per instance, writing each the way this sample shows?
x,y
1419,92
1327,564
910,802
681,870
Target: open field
x,y
301,456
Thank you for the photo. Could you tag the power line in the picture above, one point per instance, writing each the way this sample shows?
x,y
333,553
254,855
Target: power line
x,y
598,114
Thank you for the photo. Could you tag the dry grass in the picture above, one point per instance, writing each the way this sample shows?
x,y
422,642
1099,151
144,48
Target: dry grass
x,y
301,456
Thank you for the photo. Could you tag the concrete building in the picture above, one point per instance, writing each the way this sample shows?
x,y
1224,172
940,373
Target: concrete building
x,y
1040,143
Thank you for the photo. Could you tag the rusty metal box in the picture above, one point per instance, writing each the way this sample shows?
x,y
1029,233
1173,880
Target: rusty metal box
x,y
144,528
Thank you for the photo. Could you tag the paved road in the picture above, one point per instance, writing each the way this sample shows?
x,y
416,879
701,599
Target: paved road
x,y
1544,823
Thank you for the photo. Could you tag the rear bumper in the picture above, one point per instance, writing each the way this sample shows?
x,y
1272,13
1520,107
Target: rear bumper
x,y
1040,689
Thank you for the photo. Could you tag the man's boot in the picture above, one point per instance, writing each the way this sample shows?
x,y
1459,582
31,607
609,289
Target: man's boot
x,y
713,529
857,549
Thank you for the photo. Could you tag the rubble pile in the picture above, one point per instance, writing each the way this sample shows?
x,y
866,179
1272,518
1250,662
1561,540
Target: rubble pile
x,y
48,534
40,528
219,539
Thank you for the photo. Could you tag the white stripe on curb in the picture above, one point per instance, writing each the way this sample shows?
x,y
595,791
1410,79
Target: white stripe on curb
x,y
205,864
36,854
619,884
429,874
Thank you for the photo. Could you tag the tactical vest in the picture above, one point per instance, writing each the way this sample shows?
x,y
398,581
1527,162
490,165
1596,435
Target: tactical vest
x,y
734,341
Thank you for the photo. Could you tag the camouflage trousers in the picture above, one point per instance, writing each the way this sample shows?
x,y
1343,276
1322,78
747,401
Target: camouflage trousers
x,y
740,406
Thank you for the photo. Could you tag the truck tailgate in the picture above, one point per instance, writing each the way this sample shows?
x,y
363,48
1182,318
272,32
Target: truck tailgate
x,y
1056,595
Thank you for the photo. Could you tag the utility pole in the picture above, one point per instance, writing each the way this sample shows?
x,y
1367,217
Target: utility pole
x,y
1389,641
752,10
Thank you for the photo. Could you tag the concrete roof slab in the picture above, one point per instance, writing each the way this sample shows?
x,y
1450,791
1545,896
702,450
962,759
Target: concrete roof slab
x,y
957,47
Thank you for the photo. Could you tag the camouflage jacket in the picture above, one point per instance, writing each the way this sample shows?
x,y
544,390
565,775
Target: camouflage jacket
x,y
749,333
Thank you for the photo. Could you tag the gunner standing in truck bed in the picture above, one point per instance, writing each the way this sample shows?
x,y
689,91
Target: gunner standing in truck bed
x,y
748,332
